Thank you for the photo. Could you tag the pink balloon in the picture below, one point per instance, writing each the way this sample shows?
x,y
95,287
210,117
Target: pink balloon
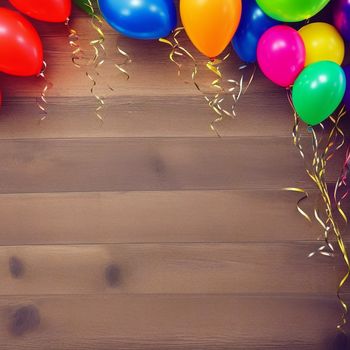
x,y
281,54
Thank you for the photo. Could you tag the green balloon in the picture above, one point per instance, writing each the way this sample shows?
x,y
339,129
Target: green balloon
x,y
292,10
318,91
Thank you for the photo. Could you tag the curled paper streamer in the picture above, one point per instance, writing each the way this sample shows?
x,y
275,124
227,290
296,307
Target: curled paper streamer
x,y
176,48
297,143
216,101
342,183
121,66
329,224
99,52
73,37
42,102
304,197
324,214
236,95
98,58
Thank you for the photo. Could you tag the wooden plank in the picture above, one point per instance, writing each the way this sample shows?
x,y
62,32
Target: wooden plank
x,y
167,322
241,268
142,116
169,216
149,164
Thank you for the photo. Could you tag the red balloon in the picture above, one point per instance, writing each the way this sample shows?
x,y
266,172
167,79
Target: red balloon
x,y
21,50
44,10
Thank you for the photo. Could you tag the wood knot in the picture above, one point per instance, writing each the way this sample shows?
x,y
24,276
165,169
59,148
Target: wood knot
x,y
24,319
158,165
340,342
16,267
112,275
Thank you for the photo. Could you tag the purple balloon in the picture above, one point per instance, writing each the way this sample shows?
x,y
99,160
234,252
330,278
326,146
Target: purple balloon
x,y
346,98
341,17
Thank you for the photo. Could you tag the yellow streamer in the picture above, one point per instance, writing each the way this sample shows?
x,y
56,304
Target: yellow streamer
x,y
127,60
73,37
304,197
215,101
296,140
176,48
98,58
240,85
317,173
342,182
42,102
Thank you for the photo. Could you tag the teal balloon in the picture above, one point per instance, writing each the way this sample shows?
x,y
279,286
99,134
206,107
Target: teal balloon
x,y
318,91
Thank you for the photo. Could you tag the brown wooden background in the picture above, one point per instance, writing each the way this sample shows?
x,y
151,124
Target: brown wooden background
x,y
148,231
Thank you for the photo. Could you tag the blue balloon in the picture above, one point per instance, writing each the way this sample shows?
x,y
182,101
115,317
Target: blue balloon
x,y
140,19
254,23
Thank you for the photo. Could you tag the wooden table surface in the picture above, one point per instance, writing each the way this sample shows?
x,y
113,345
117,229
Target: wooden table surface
x,y
147,231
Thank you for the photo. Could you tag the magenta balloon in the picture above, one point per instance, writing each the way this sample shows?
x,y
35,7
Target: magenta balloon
x,y
281,54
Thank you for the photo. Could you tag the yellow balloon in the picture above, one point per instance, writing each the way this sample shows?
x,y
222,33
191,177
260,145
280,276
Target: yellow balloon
x,y
322,43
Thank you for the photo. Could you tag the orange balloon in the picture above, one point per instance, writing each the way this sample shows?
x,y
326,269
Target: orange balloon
x,y
210,24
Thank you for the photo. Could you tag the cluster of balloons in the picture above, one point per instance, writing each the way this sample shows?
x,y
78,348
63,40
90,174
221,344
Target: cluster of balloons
x,y
308,60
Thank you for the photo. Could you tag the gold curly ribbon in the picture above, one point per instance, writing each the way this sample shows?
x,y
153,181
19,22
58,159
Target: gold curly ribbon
x,y
297,143
42,102
176,48
317,173
342,179
318,176
342,182
303,198
73,39
215,101
127,60
98,58
240,86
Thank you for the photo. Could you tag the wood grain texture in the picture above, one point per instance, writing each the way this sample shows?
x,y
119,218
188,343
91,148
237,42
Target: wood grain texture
x,y
187,116
154,217
258,268
172,322
147,232
149,164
